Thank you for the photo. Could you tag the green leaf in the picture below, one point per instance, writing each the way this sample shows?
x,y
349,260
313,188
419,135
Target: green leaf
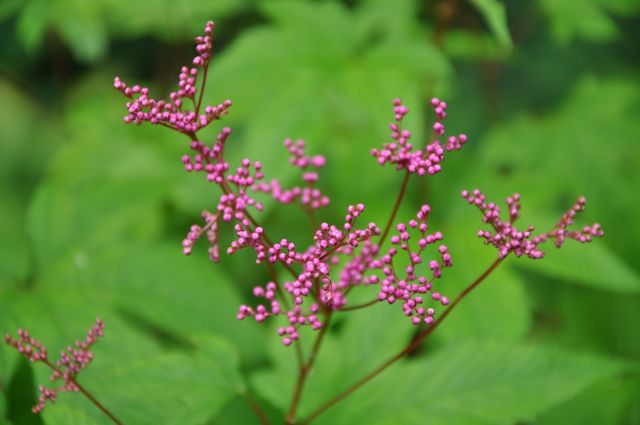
x,y
593,265
474,384
69,414
611,402
590,21
495,15
168,388
32,24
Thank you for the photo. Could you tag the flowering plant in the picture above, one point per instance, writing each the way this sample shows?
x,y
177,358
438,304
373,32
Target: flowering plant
x,y
321,276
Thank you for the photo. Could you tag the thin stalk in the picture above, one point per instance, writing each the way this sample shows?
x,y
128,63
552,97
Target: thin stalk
x,y
204,82
304,372
396,207
415,343
87,394
359,306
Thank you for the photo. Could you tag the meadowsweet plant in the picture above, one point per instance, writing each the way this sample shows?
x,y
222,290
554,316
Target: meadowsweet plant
x,y
404,273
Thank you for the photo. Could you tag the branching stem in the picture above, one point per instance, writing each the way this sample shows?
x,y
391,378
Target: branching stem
x,y
415,343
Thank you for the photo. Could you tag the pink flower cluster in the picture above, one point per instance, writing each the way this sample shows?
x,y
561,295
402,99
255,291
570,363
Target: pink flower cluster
x,y
312,291
71,362
340,257
507,238
176,113
310,197
410,288
419,161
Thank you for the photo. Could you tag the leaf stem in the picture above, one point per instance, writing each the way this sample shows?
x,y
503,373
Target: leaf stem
x,y
415,343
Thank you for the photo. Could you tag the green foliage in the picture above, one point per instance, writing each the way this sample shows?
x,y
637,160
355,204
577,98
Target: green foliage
x,y
86,26
495,16
591,20
475,384
345,71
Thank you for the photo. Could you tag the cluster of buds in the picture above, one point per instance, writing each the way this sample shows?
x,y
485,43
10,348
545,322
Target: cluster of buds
x,y
175,113
508,239
310,197
340,257
410,288
72,360
419,161
312,292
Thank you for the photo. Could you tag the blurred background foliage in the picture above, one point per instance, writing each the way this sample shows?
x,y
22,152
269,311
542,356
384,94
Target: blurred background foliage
x,y
93,211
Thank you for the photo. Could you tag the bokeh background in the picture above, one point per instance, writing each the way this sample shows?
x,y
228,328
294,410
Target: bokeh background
x,y
92,211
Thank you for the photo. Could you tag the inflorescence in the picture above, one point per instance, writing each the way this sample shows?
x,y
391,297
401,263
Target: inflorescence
x,y
343,256
508,239
72,360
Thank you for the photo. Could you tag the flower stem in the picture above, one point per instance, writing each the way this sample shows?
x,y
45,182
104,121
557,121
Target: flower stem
x,y
359,306
415,343
87,394
97,404
396,207
304,372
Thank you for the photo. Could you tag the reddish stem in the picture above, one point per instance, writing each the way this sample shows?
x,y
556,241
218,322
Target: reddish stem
x,y
86,393
415,343
359,306
304,372
396,207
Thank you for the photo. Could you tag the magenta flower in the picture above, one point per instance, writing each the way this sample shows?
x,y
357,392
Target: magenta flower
x,y
507,238
419,161
71,362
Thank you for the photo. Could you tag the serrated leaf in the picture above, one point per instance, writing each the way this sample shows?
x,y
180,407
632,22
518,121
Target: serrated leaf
x,y
474,384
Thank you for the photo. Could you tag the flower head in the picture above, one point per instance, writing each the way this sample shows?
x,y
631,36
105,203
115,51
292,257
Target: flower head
x,y
509,239
400,151
72,360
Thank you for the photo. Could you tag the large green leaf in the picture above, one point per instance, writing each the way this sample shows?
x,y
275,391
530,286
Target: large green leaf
x,y
474,384
171,388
